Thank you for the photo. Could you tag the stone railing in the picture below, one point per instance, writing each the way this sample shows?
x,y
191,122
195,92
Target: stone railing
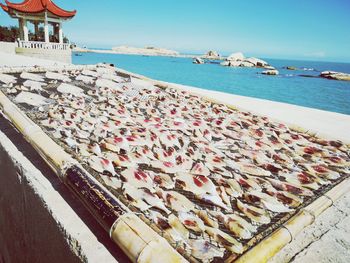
x,y
42,45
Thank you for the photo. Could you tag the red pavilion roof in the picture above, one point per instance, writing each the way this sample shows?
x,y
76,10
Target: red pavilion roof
x,y
38,6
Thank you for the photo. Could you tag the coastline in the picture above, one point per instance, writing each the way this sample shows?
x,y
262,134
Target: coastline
x,y
137,53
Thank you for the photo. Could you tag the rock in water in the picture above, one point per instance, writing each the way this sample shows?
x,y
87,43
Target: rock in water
x,y
236,57
247,64
271,72
257,62
235,63
198,61
212,54
238,60
335,75
225,63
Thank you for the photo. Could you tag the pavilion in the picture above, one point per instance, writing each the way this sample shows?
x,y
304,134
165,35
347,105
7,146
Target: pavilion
x,y
39,12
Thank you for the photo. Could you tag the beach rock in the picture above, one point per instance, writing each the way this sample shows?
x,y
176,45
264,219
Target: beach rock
x,y
257,62
247,64
238,56
291,68
271,72
198,61
235,63
335,75
225,63
212,54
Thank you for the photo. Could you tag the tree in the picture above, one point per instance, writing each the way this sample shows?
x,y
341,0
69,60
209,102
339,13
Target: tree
x,y
9,34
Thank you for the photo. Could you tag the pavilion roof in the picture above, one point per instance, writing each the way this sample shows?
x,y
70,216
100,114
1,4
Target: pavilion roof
x,y
37,6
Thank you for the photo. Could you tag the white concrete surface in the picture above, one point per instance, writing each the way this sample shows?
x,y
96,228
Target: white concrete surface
x,y
13,60
7,47
60,55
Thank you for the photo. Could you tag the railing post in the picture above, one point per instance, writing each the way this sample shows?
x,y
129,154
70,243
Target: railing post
x,y
42,45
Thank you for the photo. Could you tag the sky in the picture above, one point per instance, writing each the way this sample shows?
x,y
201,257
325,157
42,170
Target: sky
x,y
298,29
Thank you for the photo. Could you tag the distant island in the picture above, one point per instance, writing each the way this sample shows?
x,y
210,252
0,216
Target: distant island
x,y
144,51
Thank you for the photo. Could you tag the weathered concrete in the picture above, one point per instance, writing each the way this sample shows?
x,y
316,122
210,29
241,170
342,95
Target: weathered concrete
x,y
8,47
13,60
64,56
36,222
326,240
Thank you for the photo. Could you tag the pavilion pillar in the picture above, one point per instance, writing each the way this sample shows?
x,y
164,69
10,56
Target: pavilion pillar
x,y
20,27
46,30
60,33
36,28
25,30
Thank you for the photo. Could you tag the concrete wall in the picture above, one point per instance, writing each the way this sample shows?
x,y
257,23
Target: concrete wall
x,y
49,54
7,47
40,221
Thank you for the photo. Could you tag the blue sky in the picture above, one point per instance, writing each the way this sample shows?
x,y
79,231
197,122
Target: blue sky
x,y
311,29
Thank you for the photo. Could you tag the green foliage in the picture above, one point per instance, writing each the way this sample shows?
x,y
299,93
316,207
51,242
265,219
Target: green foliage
x,y
9,34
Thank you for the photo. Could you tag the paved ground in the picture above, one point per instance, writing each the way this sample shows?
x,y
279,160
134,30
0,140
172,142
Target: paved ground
x,y
13,60
327,240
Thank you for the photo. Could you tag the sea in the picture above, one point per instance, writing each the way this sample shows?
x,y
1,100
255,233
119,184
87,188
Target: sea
x,y
299,87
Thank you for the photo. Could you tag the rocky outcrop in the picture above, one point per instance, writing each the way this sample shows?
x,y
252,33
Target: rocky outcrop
x,y
236,57
212,55
238,60
225,63
247,64
198,61
271,72
257,62
335,75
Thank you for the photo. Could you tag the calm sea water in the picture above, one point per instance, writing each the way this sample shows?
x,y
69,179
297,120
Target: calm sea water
x,y
288,87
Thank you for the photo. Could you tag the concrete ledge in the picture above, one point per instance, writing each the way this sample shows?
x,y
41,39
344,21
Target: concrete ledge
x,y
31,205
49,54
